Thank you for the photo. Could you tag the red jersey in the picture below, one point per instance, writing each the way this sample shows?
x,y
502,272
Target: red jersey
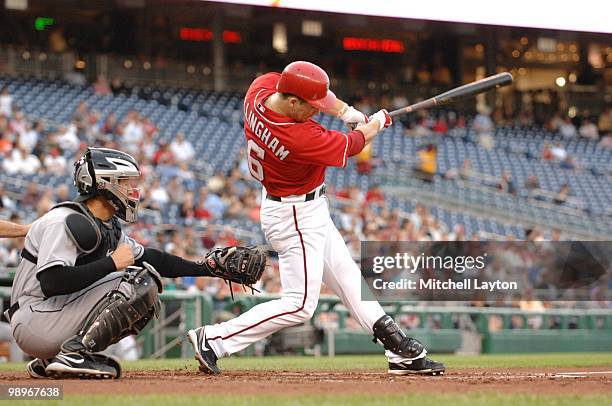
x,y
289,157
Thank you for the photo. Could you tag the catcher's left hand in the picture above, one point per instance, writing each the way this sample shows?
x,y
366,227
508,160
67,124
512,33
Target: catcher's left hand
x,y
243,265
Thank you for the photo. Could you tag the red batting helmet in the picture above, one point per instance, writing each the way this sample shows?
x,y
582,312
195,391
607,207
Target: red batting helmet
x,y
309,82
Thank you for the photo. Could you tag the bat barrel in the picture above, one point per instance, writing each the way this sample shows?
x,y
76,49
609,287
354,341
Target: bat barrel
x,y
480,86
471,89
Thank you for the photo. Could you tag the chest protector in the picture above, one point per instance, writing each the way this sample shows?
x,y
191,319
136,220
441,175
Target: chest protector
x,y
93,237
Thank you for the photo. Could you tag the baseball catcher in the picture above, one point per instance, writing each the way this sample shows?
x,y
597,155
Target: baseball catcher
x,y
83,284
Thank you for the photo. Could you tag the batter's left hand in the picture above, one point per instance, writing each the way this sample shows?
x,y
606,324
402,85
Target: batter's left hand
x,y
353,118
383,118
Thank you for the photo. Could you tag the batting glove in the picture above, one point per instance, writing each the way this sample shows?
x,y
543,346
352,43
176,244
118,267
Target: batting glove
x,y
353,118
383,118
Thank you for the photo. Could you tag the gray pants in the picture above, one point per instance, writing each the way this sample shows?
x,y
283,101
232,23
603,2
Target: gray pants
x,y
41,326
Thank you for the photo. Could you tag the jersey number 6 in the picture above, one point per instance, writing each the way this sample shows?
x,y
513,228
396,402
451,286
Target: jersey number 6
x,y
254,165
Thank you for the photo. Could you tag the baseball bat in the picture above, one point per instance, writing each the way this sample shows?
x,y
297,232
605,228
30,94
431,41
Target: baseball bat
x,y
461,92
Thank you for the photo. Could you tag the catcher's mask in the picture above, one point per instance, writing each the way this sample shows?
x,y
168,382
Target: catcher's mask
x,y
113,175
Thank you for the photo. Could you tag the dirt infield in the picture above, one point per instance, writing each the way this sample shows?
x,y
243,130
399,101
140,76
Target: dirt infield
x,y
183,381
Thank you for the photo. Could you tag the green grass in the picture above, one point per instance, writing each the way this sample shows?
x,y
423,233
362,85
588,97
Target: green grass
x,y
373,362
469,399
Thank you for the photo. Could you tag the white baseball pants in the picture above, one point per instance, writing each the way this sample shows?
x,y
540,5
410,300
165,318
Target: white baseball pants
x,y
310,250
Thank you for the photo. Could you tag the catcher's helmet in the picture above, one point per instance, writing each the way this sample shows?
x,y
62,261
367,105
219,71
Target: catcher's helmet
x,y
309,82
98,173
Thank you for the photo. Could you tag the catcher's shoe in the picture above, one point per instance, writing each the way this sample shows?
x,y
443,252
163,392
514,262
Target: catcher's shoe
x,y
36,368
421,366
81,365
203,353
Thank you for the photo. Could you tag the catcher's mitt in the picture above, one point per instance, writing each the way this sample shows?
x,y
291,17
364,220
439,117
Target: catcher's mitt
x,y
243,265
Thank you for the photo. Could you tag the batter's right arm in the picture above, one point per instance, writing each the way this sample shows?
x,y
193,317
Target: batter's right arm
x,y
349,115
370,127
338,109
11,230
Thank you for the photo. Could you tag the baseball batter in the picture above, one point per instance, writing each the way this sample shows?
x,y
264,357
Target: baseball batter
x,y
288,153
83,284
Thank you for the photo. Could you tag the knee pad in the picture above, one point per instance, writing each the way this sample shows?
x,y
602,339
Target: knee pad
x,y
393,338
145,284
119,314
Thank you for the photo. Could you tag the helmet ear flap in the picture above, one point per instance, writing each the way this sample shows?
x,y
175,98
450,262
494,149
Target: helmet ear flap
x,y
84,175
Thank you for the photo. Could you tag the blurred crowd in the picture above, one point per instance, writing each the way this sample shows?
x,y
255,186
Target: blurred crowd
x,y
202,203
594,127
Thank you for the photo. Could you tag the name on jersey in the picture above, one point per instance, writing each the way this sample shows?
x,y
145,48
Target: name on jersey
x,y
263,133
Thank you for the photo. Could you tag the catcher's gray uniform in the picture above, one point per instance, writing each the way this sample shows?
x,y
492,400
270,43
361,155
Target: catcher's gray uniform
x,y
68,301
42,324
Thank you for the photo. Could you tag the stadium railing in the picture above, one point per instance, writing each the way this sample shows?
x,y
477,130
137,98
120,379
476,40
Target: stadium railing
x,y
441,328
180,311
398,184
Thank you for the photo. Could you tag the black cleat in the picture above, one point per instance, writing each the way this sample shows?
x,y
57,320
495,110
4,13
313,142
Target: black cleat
x,y
36,368
203,353
421,366
66,365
